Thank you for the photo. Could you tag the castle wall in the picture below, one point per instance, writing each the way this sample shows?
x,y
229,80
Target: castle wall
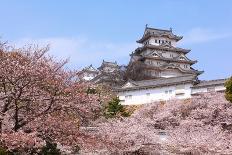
x,y
143,96
206,89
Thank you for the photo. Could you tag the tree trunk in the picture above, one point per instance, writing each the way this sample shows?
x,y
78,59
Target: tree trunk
x,y
16,117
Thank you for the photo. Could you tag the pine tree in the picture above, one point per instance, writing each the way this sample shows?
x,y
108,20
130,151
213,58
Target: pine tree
x,y
228,93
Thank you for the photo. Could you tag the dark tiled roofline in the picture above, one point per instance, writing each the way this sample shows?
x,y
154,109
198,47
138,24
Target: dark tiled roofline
x,y
175,49
161,82
207,83
172,60
158,29
161,68
161,32
87,69
145,37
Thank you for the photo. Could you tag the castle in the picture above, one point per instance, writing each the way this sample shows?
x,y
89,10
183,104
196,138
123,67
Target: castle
x,y
170,71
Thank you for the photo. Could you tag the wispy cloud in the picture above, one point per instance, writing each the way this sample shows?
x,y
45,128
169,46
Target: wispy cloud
x,y
201,35
82,51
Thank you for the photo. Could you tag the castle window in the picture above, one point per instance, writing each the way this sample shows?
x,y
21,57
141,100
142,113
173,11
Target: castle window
x,y
155,55
159,41
211,89
168,92
155,41
162,41
148,94
128,97
181,58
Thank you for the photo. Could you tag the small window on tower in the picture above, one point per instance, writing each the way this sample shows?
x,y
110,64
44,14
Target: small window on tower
x,y
159,41
128,97
155,41
155,55
181,58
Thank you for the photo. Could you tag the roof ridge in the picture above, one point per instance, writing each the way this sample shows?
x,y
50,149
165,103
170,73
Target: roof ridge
x,y
162,78
159,29
213,80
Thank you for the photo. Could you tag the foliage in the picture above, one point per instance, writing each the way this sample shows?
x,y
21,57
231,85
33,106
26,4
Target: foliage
x,y
3,151
228,93
114,108
21,143
40,99
201,125
50,149
91,91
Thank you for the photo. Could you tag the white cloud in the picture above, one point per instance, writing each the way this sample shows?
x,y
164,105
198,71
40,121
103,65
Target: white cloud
x,y
200,35
82,52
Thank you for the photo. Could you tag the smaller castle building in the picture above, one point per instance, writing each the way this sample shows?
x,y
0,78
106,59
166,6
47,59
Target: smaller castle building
x,y
109,73
88,73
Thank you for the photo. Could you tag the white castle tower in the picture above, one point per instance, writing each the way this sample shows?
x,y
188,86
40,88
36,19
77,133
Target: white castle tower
x,y
169,70
161,56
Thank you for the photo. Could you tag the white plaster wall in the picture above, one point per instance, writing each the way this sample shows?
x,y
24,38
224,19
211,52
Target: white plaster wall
x,y
168,54
220,88
171,73
182,65
199,90
89,77
108,69
156,94
204,89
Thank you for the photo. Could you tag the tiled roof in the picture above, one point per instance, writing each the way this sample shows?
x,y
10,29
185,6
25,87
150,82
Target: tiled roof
x,y
89,69
210,83
149,32
108,64
160,47
159,82
170,59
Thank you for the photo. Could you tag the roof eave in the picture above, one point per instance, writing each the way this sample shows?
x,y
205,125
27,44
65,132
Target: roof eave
x,y
152,86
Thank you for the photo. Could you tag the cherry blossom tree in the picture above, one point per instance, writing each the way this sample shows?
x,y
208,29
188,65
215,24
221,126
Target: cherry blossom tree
x,y
38,95
201,125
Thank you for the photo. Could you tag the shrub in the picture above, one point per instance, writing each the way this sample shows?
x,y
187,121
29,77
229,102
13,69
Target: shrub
x,y
114,108
3,151
91,91
228,86
50,149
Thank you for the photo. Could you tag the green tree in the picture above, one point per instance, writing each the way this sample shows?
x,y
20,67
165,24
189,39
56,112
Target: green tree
x,y
228,86
114,108
50,149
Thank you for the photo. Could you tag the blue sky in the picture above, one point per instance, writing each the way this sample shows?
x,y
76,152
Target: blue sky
x,y
88,31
